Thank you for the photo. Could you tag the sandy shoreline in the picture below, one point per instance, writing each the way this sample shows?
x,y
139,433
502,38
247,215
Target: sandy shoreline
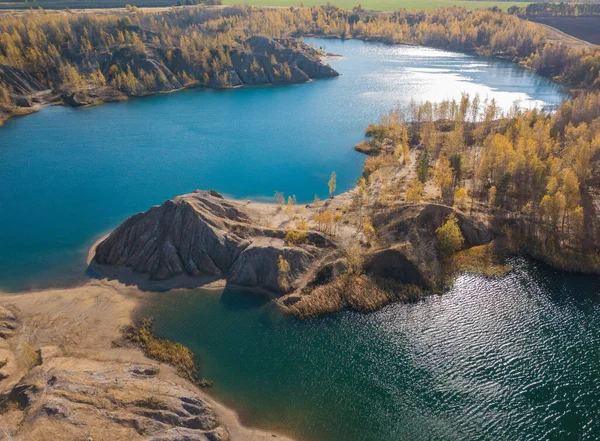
x,y
83,321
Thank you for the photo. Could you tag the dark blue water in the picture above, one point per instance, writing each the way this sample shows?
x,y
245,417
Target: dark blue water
x,y
68,176
516,358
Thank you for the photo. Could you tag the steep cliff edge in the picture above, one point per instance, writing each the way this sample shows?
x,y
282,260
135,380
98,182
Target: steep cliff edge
x,y
20,92
135,70
206,237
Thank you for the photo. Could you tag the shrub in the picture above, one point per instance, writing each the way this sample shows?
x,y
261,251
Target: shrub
x,y
296,237
449,236
31,357
414,193
302,225
177,355
283,273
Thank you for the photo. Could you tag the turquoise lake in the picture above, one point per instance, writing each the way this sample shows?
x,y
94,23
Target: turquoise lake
x,y
514,358
67,176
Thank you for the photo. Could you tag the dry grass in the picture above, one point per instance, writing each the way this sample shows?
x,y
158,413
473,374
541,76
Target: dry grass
x,y
177,355
352,291
374,163
30,357
481,259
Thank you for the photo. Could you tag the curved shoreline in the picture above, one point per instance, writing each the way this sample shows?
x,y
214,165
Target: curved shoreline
x,y
110,305
117,291
125,300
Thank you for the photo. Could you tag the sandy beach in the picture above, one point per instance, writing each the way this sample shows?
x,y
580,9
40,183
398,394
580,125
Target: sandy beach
x,y
82,322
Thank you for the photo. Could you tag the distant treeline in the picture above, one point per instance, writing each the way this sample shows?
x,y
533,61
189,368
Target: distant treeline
x,y
81,4
556,9
80,52
198,2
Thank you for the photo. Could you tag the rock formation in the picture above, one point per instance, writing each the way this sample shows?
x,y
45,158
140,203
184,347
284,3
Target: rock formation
x,y
23,89
67,398
409,251
19,81
405,264
258,60
156,68
255,66
204,235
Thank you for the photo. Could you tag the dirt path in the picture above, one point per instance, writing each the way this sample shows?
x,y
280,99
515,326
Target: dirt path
x,y
554,35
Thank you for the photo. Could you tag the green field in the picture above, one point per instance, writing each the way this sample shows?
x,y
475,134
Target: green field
x,y
379,5
385,5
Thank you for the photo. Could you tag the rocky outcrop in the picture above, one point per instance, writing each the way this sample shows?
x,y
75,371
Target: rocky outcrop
x,y
259,60
25,92
409,251
404,265
19,81
8,323
415,223
254,65
204,235
257,264
129,58
137,70
112,401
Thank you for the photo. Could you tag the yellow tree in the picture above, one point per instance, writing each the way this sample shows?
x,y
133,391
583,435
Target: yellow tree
x,y
283,273
570,189
414,193
443,178
332,184
369,230
576,223
492,195
450,238
460,197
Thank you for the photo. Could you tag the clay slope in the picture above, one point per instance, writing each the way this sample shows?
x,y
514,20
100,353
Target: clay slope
x,y
409,251
204,234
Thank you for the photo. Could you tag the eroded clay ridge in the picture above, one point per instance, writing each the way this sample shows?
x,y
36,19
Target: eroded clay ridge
x,y
257,61
204,235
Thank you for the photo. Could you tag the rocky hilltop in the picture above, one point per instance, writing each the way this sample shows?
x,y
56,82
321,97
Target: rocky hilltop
x,y
207,237
257,60
201,237
408,249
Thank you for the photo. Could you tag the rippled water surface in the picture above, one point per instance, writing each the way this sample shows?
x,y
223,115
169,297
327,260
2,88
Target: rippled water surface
x,y
67,176
516,358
